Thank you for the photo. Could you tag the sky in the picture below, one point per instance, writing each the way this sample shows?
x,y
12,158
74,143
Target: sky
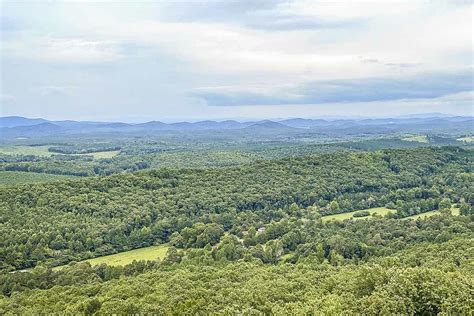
x,y
137,61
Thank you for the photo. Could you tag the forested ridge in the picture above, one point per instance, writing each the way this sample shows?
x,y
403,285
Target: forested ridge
x,y
71,220
248,238
77,159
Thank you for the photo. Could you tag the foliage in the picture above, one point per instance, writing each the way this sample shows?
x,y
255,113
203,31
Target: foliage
x,y
76,220
253,236
361,214
85,156
423,279
12,177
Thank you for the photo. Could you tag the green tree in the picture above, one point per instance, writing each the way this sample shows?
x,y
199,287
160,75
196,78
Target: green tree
x,y
334,206
445,204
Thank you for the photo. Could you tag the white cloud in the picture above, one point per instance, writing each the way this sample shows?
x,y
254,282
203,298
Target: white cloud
x,y
68,50
226,47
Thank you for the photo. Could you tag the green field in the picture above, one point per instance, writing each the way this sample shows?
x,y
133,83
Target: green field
x,y
381,211
454,211
468,139
17,177
43,151
102,154
417,138
423,215
340,217
126,257
26,150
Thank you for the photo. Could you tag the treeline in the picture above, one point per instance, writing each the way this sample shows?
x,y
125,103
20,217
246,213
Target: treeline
x,y
73,220
82,167
295,240
84,149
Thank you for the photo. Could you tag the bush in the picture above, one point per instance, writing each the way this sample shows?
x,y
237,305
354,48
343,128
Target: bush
x,y
361,214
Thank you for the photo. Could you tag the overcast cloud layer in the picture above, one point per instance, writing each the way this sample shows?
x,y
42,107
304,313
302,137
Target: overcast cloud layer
x,y
137,61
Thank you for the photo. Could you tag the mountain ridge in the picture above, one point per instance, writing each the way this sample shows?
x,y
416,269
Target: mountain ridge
x,y
17,126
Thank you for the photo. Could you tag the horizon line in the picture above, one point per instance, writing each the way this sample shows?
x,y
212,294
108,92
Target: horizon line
x,y
256,119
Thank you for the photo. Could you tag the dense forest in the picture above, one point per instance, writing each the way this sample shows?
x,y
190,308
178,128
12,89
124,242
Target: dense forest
x,y
383,266
72,220
244,226
105,156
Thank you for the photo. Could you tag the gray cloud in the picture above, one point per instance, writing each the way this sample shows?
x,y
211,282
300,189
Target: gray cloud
x,y
424,86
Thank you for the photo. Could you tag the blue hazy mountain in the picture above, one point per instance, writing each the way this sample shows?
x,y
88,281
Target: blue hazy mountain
x,y
16,126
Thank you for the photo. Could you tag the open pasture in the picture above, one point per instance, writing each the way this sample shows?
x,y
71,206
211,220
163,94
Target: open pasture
x,y
340,217
126,257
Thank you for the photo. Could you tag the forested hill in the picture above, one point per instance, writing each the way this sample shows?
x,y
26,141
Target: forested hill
x,y
252,239
69,220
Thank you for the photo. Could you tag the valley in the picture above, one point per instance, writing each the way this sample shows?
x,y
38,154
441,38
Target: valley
x,y
177,213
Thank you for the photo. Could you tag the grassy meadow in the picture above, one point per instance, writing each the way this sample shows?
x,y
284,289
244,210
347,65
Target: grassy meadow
x,y
417,138
340,217
126,257
102,154
42,151
454,211
381,211
467,139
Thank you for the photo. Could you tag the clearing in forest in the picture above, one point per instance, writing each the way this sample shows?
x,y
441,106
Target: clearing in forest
x,y
376,210
467,139
417,138
454,211
126,257
101,154
41,151
382,211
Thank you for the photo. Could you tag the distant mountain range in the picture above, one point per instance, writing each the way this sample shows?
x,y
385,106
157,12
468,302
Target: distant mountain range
x,y
16,126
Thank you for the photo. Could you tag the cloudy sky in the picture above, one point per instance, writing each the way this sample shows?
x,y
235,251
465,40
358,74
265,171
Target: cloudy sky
x,y
192,60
